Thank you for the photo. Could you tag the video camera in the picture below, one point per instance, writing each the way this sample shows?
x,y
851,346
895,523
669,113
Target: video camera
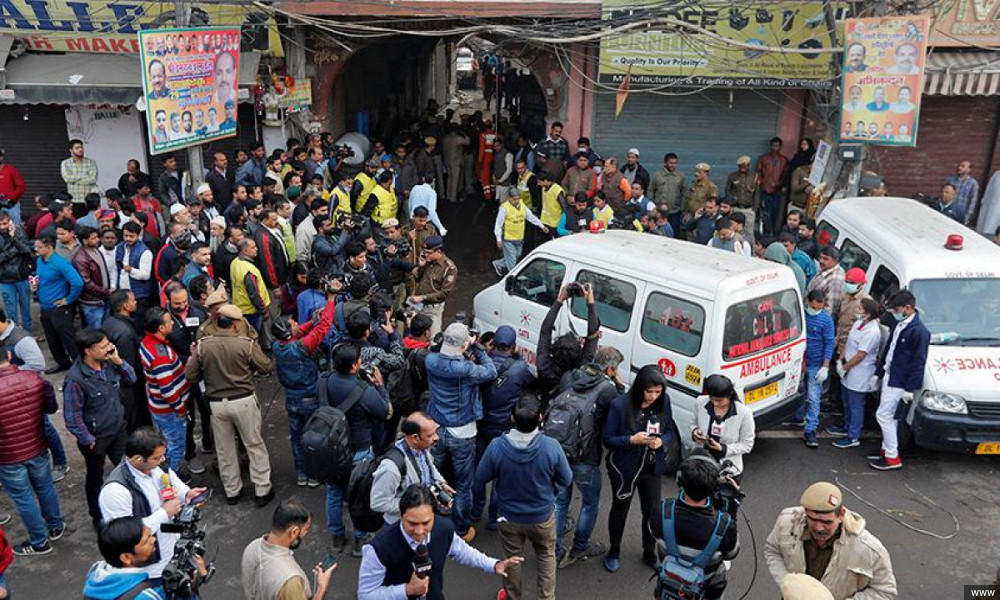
x,y
341,151
728,496
180,577
345,221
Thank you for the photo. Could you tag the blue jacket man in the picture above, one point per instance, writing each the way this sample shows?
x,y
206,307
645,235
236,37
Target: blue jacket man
x,y
59,285
455,405
821,334
529,469
901,368
499,397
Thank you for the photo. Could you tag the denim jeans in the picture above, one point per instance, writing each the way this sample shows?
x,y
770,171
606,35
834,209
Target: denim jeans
x,y
483,439
335,496
23,482
511,252
299,411
809,410
15,212
55,443
854,411
587,479
772,205
3,584
462,453
93,316
17,303
254,320
173,427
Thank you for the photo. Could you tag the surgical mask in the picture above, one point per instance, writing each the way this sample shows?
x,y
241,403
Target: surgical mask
x,y
813,311
581,149
293,190
899,316
852,288
597,170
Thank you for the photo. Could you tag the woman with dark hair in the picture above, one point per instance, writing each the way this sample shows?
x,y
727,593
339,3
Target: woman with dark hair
x,y
803,157
723,424
856,368
637,434
295,285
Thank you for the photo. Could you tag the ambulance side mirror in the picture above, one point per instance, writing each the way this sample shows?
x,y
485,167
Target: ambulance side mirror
x,y
508,285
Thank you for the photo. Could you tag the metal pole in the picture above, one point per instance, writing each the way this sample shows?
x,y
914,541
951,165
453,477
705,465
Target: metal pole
x,y
196,164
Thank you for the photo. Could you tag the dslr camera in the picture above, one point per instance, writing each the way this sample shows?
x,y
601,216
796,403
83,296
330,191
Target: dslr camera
x,y
575,290
367,372
442,500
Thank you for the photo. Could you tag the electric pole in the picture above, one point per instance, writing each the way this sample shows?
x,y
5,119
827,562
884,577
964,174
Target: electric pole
x,y
196,165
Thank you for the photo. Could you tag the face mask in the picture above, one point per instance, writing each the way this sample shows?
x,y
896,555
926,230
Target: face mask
x,y
597,170
900,316
813,311
581,149
293,190
852,288
295,545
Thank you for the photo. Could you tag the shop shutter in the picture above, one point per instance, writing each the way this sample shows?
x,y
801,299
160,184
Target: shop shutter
x,y
702,127
36,146
951,129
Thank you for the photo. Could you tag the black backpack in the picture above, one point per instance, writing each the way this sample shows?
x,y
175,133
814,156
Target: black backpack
x,y
359,489
570,420
326,438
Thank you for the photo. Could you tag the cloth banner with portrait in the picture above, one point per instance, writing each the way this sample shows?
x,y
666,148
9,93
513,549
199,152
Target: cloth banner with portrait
x,y
189,80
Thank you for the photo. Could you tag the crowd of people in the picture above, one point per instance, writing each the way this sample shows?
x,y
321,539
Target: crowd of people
x,y
164,301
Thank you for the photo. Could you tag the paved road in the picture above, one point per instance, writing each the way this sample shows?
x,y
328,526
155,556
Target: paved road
x,y
925,495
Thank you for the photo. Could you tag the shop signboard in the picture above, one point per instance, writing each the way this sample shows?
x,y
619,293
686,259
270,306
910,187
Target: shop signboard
x,y
883,79
189,80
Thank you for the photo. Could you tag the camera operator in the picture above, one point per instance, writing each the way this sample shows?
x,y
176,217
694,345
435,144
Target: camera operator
x,y
408,561
327,250
455,404
359,330
270,571
356,265
128,545
723,424
689,524
140,487
390,262
556,359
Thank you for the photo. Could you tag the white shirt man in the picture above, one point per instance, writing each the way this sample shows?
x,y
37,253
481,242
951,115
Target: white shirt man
x,y
423,194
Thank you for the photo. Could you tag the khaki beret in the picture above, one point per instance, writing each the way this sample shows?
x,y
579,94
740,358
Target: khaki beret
x,y
799,586
231,311
390,223
430,140
743,160
703,167
822,497
217,297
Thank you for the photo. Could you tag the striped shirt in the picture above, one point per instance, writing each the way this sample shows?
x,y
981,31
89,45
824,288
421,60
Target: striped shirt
x,y
166,386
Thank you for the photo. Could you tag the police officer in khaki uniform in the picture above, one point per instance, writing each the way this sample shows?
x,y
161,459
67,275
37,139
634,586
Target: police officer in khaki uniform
x,y
226,362
213,303
702,189
435,278
824,540
743,191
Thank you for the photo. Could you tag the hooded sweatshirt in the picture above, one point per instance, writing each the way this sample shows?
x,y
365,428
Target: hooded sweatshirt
x,y
585,379
529,469
777,253
105,582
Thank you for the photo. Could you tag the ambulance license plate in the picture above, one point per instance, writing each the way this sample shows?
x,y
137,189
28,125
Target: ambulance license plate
x,y
761,393
988,448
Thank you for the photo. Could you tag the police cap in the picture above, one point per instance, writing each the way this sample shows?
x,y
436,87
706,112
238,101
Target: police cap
x,y
822,497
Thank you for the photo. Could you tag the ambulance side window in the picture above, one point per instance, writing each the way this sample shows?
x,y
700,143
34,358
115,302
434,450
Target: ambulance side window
x,y
674,324
539,281
826,234
613,298
884,285
852,255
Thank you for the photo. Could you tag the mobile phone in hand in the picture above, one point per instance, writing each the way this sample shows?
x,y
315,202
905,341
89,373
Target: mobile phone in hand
x,y
200,498
329,561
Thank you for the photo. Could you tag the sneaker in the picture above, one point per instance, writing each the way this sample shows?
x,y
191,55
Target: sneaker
x,y
886,464
612,564
196,466
568,558
810,439
4,519
595,549
502,594
339,541
26,549
845,442
469,535
59,473
56,533
301,480
356,544
794,423
313,483
835,431
876,456
499,269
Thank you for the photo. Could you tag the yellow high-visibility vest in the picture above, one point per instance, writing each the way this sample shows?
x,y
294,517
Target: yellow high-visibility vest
x,y
241,298
551,209
343,207
522,187
368,184
387,205
513,222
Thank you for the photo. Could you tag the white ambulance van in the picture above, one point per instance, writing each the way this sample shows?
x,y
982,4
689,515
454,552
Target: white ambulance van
x,y
954,273
690,309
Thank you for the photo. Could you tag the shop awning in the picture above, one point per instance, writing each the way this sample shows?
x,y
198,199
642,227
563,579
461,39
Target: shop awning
x,y
962,74
76,79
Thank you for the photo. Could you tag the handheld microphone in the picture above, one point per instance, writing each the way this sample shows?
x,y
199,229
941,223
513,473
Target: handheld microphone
x,y
167,492
422,564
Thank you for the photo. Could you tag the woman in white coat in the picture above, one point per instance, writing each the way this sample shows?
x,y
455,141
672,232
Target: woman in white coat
x,y
723,424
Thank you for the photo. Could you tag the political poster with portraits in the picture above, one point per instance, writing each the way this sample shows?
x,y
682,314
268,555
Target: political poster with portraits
x,y
189,80
883,80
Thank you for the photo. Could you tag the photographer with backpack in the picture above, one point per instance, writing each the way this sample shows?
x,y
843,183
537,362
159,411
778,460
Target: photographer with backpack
x,y
366,407
697,538
557,358
637,434
584,401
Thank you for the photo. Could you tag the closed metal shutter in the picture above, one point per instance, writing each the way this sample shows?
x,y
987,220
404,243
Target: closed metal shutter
x,y
951,129
36,146
702,127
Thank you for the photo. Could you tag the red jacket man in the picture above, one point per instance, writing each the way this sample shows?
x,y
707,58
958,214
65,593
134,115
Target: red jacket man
x,y
11,182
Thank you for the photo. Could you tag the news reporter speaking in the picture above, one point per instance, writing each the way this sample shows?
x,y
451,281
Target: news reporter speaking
x,y
723,424
408,560
139,486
